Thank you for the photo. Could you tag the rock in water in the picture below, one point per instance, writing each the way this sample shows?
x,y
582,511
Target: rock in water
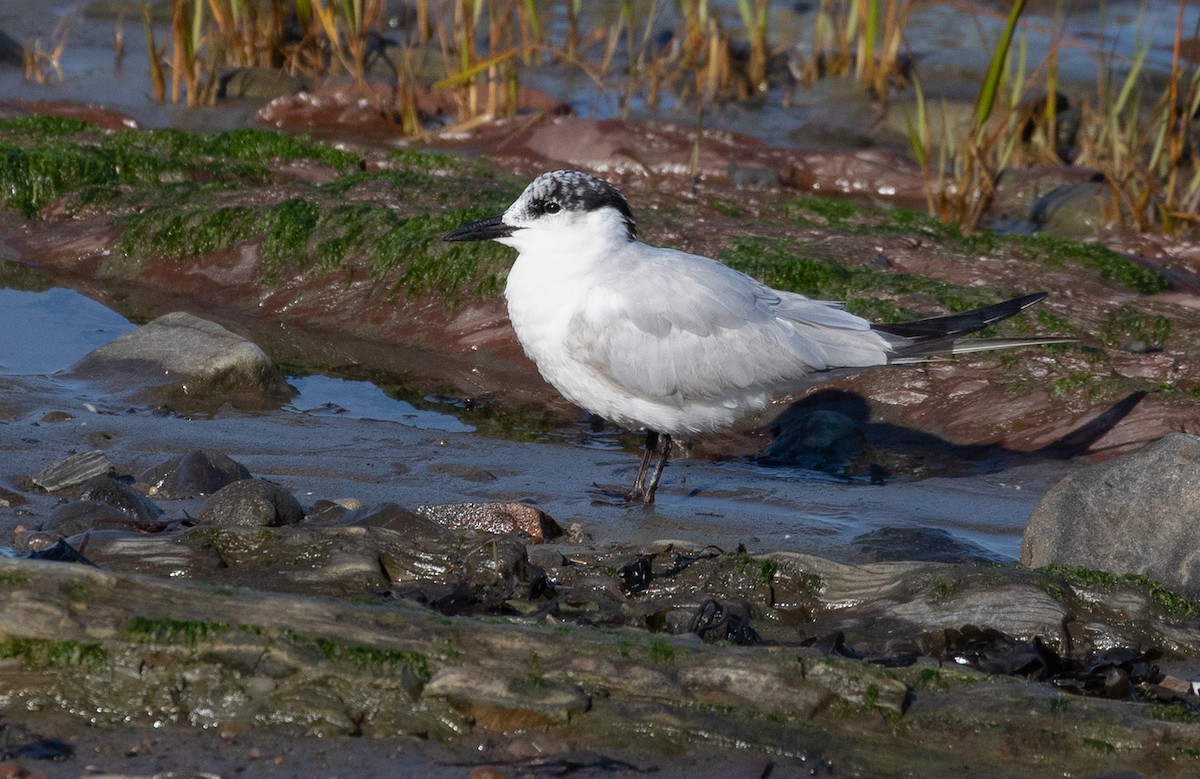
x,y
196,357
1134,514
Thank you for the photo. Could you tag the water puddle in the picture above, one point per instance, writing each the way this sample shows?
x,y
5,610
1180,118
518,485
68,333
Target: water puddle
x,y
46,332
329,396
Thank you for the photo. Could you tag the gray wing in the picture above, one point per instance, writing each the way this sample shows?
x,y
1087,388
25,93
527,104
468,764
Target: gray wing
x,y
675,324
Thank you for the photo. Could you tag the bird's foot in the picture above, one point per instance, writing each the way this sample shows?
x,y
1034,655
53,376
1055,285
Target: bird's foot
x,y
645,497
609,496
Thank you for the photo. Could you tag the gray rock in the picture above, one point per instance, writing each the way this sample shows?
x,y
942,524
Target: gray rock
x,y
1134,514
197,473
251,503
1075,210
121,496
259,84
195,357
76,469
188,555
1019,189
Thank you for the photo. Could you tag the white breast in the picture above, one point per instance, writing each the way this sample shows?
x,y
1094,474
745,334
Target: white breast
x,y
545,294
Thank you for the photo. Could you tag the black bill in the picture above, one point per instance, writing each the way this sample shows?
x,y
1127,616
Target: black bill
x,y
481,230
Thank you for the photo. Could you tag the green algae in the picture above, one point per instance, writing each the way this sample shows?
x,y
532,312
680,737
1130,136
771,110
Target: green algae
x,y
44,159
1108,263
832,210
1064,386
288,226
662,652
365,657
1170,601
1126,324
41,654
320,234
1173,712
851,218
171,631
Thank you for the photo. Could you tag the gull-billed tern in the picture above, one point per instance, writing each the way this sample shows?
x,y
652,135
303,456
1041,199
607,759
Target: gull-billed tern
x,y
675,343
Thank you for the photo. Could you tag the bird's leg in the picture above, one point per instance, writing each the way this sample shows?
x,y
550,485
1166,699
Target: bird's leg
x,y
663,454
639,484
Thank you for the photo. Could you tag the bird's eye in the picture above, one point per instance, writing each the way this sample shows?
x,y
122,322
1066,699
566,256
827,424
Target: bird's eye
x,y
552,207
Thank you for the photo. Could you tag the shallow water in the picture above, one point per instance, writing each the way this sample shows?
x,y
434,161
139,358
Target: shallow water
x,y
356,441
347,440
46,332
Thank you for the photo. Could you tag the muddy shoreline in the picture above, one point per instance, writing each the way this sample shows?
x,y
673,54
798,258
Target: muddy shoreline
x,y
968,445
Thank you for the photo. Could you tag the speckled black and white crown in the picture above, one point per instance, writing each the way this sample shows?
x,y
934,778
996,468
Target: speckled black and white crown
x,y
571,190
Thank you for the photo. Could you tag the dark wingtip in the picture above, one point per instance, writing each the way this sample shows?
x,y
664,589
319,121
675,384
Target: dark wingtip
x,y
955,325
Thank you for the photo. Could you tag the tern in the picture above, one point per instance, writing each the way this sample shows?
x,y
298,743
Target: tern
x,y
675,343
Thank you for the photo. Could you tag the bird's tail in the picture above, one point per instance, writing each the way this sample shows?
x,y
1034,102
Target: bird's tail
x,y
921,339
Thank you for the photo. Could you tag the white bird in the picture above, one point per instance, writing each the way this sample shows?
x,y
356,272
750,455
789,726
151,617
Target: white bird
x,y
671,342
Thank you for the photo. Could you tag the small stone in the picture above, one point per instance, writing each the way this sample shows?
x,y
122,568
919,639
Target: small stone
x,y
57,416
76,469
10,498
121,496
545,557
258,84
100,438
498,517
1176,685
251,503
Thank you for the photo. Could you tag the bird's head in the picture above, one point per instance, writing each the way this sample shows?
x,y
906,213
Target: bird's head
x,y
563,208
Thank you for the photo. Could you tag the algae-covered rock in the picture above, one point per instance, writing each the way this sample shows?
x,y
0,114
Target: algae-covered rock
x,y
189,653
251,503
